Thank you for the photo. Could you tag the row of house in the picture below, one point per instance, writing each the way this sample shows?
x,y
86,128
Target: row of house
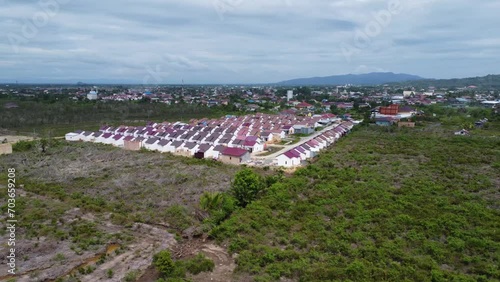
x,y
220,152
310,149
227,137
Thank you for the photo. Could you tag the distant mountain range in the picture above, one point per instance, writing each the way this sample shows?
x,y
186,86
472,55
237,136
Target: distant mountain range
x,y
374,78
491,81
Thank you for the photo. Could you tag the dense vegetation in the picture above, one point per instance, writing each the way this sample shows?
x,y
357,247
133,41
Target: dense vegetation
x,y
381,205
62,116
484,82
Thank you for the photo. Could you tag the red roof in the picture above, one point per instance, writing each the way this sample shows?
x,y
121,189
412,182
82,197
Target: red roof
x,y
303,105
234,152
292,154
251,141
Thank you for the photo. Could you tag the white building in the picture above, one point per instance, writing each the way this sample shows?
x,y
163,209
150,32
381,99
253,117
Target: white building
x,y
92,95
289,95
72,137
288,159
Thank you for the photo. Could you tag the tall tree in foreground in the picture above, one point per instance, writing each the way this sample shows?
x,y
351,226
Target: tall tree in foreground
x,y
246,186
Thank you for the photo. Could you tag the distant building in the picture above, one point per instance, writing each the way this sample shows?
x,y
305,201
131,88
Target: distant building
x,y
384,121
289,95
408,93
391,110
92,95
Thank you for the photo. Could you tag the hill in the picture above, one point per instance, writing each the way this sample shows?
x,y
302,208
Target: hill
x,y
357,79
482,82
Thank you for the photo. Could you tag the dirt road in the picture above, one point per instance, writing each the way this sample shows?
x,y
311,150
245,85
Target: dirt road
x,y
14,138
270,158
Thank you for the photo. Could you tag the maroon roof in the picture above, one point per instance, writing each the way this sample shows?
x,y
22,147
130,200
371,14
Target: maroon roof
x,y
117,137
300,149
303,105
292,154
251,141
313,143
234,152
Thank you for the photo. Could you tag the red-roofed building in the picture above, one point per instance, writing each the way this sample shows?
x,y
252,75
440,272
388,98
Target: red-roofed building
x,y
234,156
391,110
304,106
289,159
253,144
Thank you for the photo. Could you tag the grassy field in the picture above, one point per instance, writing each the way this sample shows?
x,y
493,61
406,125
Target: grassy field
x,y
381,205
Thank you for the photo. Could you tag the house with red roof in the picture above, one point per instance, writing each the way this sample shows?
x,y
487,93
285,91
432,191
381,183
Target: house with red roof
x,y
253,144
118,140
288,159
304,106
104,138
234,156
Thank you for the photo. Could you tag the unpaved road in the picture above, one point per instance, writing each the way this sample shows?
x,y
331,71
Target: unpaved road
x,y
14,138
285,148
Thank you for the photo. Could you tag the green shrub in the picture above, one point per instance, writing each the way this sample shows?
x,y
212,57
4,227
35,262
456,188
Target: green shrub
x,y
164,263
23,146
199,264
131,276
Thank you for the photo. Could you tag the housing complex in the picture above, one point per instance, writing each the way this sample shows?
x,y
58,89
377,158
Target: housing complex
x,y
231,139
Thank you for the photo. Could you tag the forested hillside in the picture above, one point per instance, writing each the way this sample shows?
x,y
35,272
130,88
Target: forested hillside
x,y
60,117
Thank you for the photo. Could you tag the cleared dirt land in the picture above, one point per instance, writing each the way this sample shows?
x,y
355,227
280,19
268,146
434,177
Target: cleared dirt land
x,y
14,138
85,209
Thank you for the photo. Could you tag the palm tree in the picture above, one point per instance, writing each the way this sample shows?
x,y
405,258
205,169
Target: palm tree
x,y
211,201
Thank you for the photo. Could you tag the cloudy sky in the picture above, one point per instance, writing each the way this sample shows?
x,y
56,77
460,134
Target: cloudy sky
x,y
244,41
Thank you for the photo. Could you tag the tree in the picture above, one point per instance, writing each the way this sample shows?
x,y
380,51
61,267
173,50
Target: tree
x,y
44,143
164,263
246,186
211,201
